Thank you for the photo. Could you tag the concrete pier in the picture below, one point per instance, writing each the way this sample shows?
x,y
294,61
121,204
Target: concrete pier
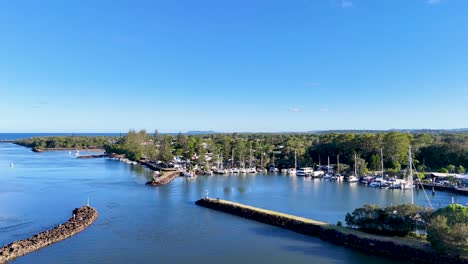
x,y
397,248
82,218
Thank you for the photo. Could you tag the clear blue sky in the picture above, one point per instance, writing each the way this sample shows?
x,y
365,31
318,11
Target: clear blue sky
x,y
232,65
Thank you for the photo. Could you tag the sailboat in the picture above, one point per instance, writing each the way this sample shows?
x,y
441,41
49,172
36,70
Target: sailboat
x,y
409,181
292,171
380,182
337,176
273,168
327,175
251,169
354,178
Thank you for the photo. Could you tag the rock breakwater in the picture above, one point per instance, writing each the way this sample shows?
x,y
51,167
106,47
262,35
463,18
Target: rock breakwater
x,y
166,178
82,218
391,247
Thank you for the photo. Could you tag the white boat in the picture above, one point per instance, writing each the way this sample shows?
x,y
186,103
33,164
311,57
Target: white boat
x,y
230,171
327,176
251,170
317,174
291,171
273,169
352,178
235,170
243,170
262,170
188,174
12,165
337,177
305,172
284,171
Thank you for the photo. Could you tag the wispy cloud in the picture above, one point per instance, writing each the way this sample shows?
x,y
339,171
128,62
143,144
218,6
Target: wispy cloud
x,y
347,3
325,109
295,110
433,2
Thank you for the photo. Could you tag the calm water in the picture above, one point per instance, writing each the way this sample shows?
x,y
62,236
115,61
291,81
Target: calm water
x,y
140,224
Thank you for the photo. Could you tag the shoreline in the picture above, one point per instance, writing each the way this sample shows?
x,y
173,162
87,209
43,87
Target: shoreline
x,y
390,247
81,218
67,149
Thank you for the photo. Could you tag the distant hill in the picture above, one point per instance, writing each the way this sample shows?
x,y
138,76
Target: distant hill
x,y
357,131
200,132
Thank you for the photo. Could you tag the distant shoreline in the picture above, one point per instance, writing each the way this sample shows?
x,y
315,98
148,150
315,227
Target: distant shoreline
x,y
69,149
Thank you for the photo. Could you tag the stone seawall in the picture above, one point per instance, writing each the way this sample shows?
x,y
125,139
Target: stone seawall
x,y
166,178
82,218
391,247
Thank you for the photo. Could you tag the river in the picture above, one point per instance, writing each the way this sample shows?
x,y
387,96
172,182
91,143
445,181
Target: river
x,y
141,224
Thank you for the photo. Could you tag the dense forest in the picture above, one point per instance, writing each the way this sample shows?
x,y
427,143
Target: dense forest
x,y
445,152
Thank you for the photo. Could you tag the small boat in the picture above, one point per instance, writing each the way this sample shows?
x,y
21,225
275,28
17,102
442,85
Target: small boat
x,y
317,174
284,171
327,176
12,165
352,178
243,170
252,170
273,170
188,174
305,172
235,170
337,177
291,171
262,170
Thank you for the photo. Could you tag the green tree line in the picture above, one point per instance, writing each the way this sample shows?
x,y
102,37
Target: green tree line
x,y
431,151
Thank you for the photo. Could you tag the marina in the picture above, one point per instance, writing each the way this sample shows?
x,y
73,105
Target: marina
x,y
137,218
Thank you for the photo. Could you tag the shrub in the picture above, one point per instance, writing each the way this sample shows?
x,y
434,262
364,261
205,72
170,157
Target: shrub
x,y
448,230
398,220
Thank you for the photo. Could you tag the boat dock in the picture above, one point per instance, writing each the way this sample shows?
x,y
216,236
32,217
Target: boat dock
x,y
397,248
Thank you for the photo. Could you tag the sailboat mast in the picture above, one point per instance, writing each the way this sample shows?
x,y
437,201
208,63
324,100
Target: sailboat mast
x,y
355,165
338,164
261,159
232,160
295,159
250,159
381,161
410,177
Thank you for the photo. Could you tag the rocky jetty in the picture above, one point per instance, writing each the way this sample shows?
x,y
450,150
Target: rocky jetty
x,y
166,178
82,218
93,156
391,247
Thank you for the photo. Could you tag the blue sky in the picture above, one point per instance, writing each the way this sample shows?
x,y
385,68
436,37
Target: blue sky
x,y
240,65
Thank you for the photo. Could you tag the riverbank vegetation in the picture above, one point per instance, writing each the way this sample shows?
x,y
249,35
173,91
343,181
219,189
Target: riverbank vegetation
x,y
432,152
447,228
71,142
443,152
